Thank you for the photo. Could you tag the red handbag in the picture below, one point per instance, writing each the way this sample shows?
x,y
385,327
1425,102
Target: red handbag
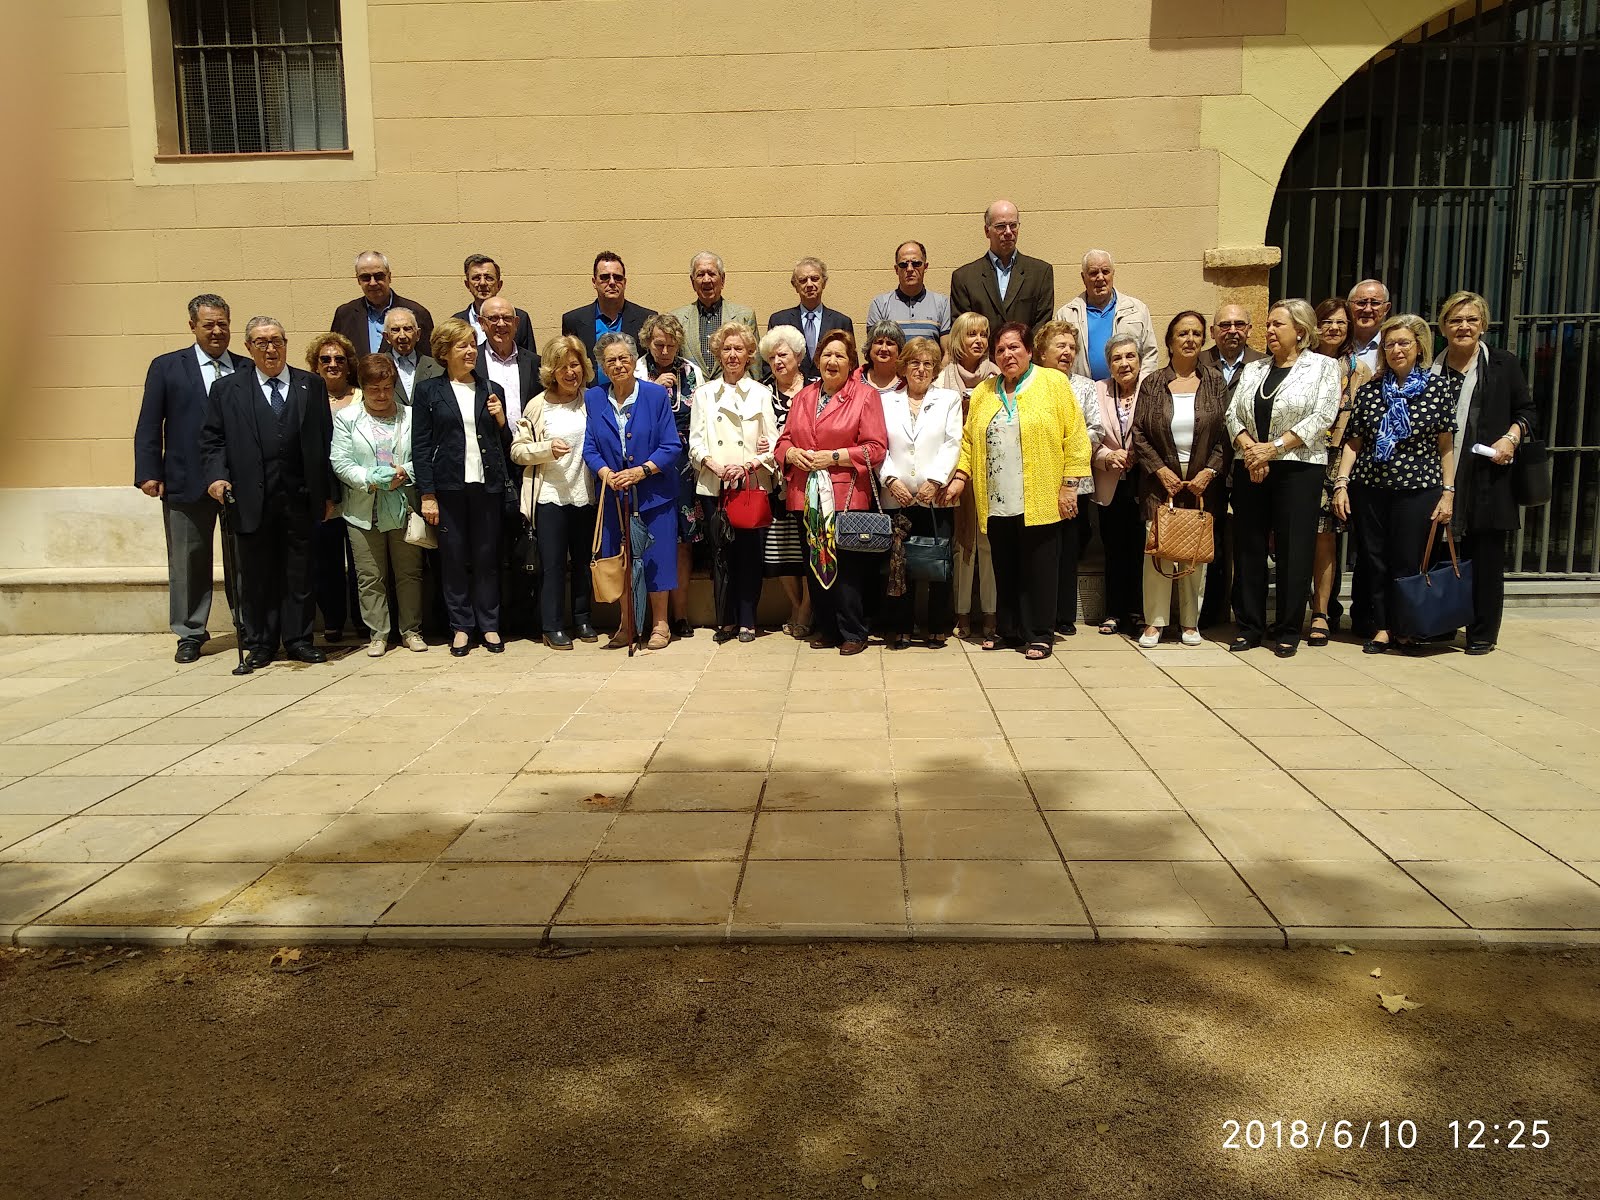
x,y
747,507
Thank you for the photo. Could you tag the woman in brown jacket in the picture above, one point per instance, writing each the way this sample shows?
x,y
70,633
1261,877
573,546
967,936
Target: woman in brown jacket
x,y
1181,441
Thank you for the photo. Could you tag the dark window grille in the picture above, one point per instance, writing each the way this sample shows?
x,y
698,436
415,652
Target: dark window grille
x,y
1467,155
258,76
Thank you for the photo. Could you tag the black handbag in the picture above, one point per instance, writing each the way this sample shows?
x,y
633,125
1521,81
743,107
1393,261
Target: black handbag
x,y
1430,603
867,532
524,555
929,558
1531,472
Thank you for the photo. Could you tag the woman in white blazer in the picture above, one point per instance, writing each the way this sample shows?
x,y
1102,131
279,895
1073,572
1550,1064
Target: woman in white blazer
x,y
924,424
732,431
371,454
1278,420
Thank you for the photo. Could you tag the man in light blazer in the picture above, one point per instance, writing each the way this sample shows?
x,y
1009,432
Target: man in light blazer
x,y
361,320
611,312
412,367
811,316
167,466
483,280
1230,331
709,312
266,438
1004,284
1100,313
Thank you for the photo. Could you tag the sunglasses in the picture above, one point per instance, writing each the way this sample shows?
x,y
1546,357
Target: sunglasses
x,y
907,264
329,360
374,277
612,278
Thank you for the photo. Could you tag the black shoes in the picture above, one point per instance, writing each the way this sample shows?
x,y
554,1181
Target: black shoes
x,y
1067,629
1375,647
682,629
747,635
333,636
259,659
560,641
1240,644
1480,647
460,651
494,647
719,636
188,650
586,633
1286,649
304,652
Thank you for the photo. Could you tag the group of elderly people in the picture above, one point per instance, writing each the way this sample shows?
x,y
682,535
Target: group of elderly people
x,y
884,484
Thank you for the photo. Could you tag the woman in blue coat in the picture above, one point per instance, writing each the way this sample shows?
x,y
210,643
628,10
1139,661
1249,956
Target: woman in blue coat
x,y
632,444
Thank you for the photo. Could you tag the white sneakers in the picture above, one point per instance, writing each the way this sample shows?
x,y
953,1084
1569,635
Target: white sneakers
x,y
377,646
413,641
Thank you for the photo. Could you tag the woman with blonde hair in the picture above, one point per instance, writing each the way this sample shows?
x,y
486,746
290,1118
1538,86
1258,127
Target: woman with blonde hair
x,y
731,435
1278,419
1335,341
558,495
1398,452
967,367
783,349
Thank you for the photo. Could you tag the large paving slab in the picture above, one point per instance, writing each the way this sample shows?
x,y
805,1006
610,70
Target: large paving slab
x,y
770,792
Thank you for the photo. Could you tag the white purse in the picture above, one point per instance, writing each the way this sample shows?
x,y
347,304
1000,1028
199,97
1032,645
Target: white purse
x,y
419,532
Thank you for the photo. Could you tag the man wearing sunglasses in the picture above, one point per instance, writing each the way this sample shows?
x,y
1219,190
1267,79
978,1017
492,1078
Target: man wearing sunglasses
x,y
918,312
612,311
361,319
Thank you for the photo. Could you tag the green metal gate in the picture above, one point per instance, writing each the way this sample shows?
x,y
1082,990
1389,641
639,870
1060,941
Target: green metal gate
x,y
1467,155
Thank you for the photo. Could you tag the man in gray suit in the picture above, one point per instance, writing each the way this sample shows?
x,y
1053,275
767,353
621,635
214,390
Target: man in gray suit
x,y
166,463
412,362
709,312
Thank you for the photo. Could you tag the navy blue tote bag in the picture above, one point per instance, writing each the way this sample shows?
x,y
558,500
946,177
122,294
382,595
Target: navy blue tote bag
x,y
1434,602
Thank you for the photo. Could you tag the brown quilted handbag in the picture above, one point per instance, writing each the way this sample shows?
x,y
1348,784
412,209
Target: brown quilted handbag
x,y
1182,535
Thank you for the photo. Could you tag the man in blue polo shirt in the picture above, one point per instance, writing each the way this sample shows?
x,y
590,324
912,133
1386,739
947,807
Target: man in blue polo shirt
x,y
918,312
1100,313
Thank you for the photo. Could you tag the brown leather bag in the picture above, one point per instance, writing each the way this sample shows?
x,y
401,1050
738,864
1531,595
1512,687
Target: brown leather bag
x,y
607,576
1181,535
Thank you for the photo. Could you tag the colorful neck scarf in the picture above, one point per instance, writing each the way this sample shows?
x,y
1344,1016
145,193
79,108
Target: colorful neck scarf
x,y
1396,425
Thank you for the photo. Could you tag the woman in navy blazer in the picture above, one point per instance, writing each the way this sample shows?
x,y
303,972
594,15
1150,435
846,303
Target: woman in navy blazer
x,y
632,443
463,484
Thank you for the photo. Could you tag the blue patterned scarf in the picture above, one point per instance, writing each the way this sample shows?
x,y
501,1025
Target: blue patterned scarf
x,y
1396,425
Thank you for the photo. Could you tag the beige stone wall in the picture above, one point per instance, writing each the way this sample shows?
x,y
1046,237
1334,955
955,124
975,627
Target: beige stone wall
x,y
838,131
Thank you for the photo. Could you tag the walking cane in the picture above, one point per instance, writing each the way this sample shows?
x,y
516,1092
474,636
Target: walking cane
x,y
630,618
230,572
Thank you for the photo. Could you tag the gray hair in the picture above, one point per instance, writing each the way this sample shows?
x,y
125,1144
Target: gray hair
x,y
255,323
714,257
1350,299
377,254
1122,339
402,312
606,340
1105,254
886,329
786,335
207,300
810,261
1304,319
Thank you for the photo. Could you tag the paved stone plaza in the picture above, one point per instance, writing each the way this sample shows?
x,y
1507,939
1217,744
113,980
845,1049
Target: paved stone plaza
x,y
770,791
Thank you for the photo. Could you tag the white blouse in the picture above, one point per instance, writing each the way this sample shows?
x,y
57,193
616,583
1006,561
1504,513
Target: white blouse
x,y
1183,425
467,402
565,480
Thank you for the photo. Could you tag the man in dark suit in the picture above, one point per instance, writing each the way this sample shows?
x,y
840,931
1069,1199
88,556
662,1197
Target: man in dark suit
x,y
811,317
361,319
167,466
266,439
412,363
516,370
612,311
1230,331
483,282
1004,285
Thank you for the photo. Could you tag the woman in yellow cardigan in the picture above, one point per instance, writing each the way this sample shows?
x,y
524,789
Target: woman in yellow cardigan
x,y
1024,448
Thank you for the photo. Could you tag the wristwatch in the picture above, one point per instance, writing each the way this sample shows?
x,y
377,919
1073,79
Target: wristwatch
x,y
836,458
1277,444
649,469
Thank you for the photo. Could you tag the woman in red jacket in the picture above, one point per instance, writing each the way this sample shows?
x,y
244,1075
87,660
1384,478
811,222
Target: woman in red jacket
x,y
830,449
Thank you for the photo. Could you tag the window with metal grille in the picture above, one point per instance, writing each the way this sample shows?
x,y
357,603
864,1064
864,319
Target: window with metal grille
x,y
258,76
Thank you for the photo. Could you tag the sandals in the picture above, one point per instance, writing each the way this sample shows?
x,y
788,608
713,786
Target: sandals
x,y
1318,637
991,641
1036,652
937,641
1109,626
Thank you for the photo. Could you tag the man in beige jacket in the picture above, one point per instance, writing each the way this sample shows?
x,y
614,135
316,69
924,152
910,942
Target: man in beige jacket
x,y
1100,313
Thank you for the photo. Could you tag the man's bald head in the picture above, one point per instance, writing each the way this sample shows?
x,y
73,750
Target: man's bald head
x,y
499,319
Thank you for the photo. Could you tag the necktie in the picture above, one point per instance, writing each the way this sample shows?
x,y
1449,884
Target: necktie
x,y
811,334
216,365
277,397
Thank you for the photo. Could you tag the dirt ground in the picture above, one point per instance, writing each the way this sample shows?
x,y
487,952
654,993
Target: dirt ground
x,y
825,1071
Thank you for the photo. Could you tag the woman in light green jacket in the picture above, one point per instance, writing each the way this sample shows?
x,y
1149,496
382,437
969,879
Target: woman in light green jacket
x,y
371,454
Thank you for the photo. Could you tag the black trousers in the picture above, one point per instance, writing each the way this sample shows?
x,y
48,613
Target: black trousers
x,y
1075,535
469,558
741,563
566,535
1026,575
1122,536
1283,508
275,588
1219,575
333,574
1487,550
900,611
1391,538
838,612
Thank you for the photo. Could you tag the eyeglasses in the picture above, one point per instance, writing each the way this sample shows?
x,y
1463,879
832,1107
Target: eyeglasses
x,y
267,343
1233,324
1367,303
1006,226
612,278
501,319
909,263
372,277
329,360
